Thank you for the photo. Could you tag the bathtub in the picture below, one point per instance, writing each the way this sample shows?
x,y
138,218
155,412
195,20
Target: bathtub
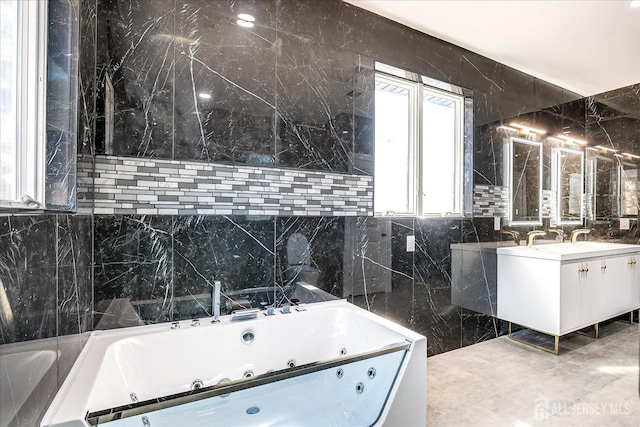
x,y
331,363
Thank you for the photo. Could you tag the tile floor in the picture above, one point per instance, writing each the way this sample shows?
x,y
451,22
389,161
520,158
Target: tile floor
x,y
593,382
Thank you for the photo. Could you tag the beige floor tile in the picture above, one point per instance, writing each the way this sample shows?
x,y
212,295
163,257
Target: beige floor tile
x,y
504,383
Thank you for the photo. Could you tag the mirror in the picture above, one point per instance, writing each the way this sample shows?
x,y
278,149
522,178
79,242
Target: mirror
x,y
602,187
569,183
525,181
628,189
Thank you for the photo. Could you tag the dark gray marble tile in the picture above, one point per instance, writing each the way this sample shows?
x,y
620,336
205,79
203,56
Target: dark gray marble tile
x,y
237,251
138,36
518,87
488,155
317,20
398,303
477,327
133,270
75,290
547,94
315,105
321,265
87,77
438,59
225,81
28,278
435,316
380,38
61,114
364,112
481,73
478,230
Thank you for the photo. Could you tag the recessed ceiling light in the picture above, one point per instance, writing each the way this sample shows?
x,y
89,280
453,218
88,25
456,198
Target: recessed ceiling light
x,y
204,95
634,3
246,17
244,23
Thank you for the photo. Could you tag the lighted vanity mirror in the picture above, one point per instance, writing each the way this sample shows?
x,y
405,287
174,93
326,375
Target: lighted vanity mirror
x,y
602,187
569,184
525,181
628,189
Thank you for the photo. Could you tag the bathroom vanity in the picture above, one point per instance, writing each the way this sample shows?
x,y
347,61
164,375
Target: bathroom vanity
x,y
474,274
562,288
474,271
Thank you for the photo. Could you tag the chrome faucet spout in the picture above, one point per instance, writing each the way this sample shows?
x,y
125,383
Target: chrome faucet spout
x,y
215,302
532,235
557,231
578,232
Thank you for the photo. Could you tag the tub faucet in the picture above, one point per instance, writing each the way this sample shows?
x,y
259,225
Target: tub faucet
x,y
215,302
557,231
576,233
532,235
514,234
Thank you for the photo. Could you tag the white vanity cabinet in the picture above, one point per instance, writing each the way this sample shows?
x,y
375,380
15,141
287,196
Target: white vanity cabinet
x,y
557,289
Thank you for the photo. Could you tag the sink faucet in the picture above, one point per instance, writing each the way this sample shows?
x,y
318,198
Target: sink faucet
x,y
215,302
576,233
514,234
532,235
557,231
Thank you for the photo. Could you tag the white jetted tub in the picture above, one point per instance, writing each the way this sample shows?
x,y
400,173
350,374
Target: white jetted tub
x,y
331,364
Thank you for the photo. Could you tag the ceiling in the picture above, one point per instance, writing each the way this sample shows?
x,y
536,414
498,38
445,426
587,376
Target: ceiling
x,y
586,46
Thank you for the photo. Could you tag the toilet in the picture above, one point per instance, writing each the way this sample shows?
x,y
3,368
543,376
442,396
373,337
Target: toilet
x,y
299,267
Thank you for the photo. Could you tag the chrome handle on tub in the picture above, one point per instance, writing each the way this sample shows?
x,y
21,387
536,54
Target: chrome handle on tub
x,y
175,325
250,313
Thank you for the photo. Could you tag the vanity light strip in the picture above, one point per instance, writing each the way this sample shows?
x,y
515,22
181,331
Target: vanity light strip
x,y
600,147
527,128
554,139
573,140
631,155
507,128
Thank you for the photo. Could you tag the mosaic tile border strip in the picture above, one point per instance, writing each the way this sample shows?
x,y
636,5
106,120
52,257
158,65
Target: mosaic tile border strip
x,y
549,204
490,201
124,185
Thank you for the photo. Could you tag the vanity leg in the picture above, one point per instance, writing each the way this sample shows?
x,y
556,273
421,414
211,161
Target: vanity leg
x,y
556,342
596,332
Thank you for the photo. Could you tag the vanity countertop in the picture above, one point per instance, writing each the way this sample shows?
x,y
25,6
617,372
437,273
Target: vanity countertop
x,y
570,251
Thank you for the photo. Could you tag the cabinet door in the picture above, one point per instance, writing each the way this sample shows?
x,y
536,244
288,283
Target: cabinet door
x,y
634,282
616,291
630,279
580,295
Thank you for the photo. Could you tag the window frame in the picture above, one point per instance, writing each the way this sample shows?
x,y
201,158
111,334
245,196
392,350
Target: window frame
x,y
30,124
417,87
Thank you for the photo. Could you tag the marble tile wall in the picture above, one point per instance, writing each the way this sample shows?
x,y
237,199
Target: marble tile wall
x,y
613,121
294,92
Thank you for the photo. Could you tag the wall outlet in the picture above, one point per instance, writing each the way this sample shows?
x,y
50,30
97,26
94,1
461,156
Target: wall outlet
x,y
624,223
496,223
411,243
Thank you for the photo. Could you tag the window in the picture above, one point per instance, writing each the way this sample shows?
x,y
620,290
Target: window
x,y
22,102
419,146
